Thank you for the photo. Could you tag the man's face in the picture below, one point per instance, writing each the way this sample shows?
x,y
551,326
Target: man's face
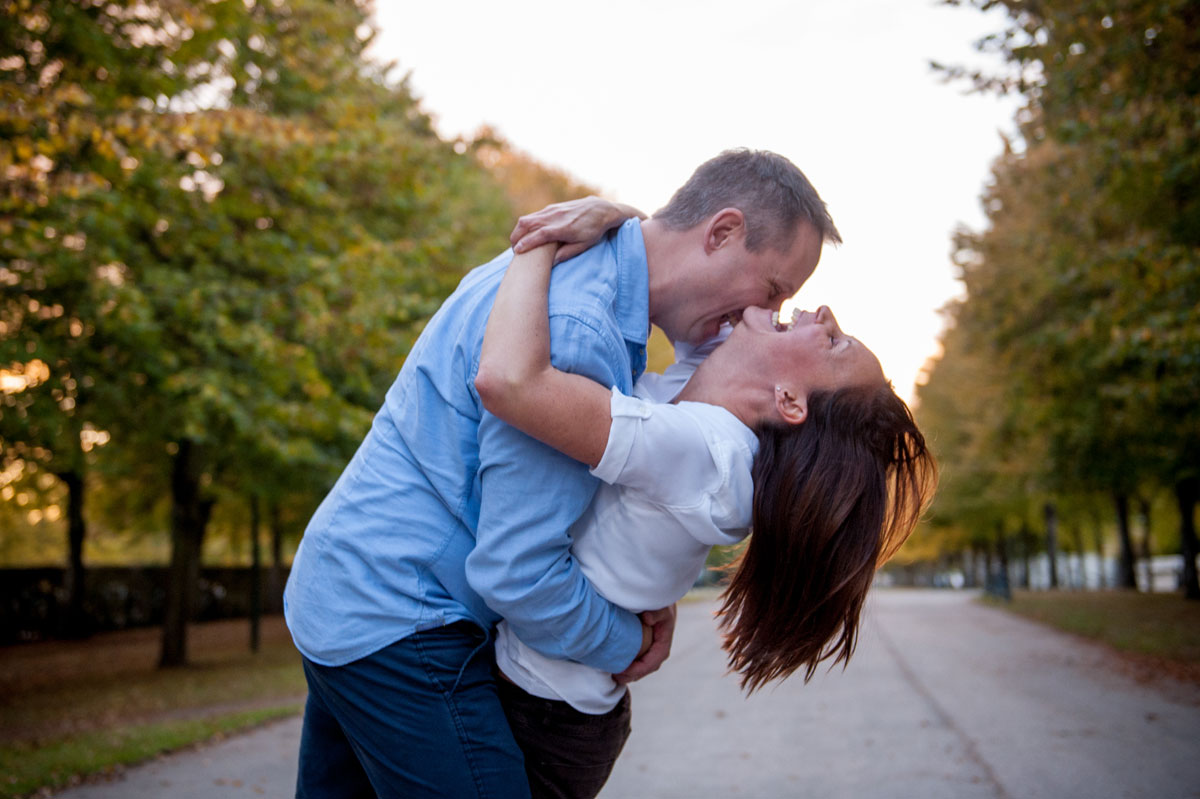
x,y
726,278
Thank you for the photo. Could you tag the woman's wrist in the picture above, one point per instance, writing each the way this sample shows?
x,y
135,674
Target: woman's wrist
x,y
647,640
538,259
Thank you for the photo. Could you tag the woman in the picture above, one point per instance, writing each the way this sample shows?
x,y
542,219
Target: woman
x,y
791,430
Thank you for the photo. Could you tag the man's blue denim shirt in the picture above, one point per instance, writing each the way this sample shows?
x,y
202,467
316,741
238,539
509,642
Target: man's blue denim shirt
x,y
445,513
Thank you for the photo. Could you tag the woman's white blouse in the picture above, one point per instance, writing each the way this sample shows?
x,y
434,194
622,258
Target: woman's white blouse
x,y
676,481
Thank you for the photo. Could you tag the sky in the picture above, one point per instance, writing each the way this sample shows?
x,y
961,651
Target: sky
x,y
630,96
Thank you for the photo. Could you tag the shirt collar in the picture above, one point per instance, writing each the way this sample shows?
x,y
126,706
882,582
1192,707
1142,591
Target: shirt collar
x,y
633,283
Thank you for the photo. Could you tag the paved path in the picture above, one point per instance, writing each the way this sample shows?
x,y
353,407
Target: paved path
x,y
945,698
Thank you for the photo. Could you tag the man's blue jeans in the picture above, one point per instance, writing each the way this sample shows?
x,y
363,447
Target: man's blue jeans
x,y
418,718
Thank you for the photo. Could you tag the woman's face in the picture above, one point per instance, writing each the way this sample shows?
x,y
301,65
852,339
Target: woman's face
x,y
810,353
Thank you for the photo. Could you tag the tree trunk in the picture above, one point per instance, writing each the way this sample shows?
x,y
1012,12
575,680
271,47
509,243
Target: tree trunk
x,y
1127,577
1003,586
1080,579
275,579
1098,534
190,511
1144,522
986,548
255,577
1051,514
76,625
1026,536
1187,493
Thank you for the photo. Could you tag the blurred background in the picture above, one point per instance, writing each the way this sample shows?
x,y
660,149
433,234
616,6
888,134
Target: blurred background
x,y
225,223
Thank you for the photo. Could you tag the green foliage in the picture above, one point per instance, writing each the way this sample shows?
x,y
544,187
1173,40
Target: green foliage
x,y
1120,80
222,228
1070,369
76,96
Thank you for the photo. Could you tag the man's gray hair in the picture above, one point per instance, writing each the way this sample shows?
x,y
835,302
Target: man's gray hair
x,y
772,194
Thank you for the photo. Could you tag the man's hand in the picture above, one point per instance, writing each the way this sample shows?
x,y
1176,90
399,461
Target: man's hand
x,y
662,630
577,224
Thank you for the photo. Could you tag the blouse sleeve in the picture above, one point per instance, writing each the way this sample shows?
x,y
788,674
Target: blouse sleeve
x,y
679,456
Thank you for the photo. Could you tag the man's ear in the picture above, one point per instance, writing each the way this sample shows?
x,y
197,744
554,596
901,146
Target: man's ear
x,y
793,408
723,226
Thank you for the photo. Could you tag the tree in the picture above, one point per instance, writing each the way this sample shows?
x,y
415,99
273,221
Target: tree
x,y
528,184
283,304
76,87
224,291
1089,272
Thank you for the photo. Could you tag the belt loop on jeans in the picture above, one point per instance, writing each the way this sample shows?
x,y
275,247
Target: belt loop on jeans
x,y
487,637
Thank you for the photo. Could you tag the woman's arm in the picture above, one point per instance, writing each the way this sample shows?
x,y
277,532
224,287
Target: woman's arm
x,y
576,224
516,381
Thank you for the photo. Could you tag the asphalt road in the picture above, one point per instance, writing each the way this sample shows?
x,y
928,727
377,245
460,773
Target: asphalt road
x,y
944,698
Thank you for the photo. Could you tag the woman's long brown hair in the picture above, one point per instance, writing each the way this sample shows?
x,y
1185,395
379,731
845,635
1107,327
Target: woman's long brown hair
x,y
834,498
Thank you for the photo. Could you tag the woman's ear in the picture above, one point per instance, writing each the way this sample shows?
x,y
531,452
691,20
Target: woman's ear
x,y
792,407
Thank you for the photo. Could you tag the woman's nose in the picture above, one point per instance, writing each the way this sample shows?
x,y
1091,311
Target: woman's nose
x,y
825,316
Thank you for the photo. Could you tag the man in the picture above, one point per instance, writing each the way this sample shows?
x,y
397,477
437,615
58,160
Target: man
x,y
447,520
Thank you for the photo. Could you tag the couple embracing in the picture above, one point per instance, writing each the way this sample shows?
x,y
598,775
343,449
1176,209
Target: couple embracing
x,y
504,551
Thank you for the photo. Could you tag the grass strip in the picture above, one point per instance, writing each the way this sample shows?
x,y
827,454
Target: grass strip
x,y
51,690
1157,625
29,766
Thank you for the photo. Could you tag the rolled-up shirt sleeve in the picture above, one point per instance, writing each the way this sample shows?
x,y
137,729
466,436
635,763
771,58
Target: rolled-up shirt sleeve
x,y
530,495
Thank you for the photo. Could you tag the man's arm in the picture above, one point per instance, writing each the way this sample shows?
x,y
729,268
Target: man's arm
x,y
530,495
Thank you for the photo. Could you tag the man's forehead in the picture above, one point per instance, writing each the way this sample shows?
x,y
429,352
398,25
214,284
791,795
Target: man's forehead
x,y
796,265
